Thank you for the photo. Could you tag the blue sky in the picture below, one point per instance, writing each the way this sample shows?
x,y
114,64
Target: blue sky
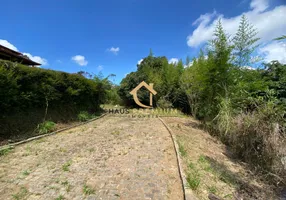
x,y
112,36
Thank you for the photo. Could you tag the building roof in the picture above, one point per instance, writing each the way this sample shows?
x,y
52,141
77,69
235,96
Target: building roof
x,y
9,54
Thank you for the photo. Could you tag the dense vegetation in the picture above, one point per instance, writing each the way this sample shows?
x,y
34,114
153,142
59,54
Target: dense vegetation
x,y
242,105
31,96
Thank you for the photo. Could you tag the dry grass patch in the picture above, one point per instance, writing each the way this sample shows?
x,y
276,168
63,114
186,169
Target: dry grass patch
x,y
210,168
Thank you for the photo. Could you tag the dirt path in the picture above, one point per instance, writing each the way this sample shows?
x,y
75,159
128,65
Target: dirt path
x,y
110,158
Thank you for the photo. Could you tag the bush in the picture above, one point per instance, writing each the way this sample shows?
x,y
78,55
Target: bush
x,y
83,116
163,103
260,142
257,137
29,95
46,127
224,118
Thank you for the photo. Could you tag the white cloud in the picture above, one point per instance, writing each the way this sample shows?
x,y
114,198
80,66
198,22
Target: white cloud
x,y
139,62
259,5
191,62
249,67
7,44
114,50
269,23
100,68
189,65
274,51
80,60
173,60
204,31
37,59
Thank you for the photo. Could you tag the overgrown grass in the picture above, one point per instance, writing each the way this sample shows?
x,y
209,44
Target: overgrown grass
x,y
193,177
219,171
83,116
182,150
5,150
204,163
206,168
224,117
46,127
257,137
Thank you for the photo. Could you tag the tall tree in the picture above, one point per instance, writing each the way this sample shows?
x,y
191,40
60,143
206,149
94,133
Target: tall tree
x,y
244,43
188,61
218,75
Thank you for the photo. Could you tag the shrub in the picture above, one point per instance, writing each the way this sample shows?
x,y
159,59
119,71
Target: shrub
x,y
260,141
83,116
258,137
224,118
46,127
164,103
30,94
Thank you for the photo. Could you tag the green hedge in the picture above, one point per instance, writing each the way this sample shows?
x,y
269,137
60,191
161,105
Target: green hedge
x,y
26,91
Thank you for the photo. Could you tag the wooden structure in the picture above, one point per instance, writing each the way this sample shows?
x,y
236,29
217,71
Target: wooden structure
x,y
14,56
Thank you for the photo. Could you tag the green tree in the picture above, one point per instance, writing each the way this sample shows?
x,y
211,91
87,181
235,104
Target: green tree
x,y
275,75
188,61
244,43
193,83
218,75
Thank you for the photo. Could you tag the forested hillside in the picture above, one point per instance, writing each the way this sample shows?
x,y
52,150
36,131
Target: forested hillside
x,y
237,96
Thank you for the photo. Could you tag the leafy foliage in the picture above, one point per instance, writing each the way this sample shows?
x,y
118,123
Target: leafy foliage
x,y
24,87
165,77
83,116
31,95
46,127
241,103
244,43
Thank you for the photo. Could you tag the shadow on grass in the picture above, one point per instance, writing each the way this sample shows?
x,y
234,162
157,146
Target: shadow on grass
x,y
244,189
22,125
195,125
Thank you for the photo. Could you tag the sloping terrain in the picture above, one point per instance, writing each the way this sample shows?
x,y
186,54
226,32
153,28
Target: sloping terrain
x,y
110,158
210,167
